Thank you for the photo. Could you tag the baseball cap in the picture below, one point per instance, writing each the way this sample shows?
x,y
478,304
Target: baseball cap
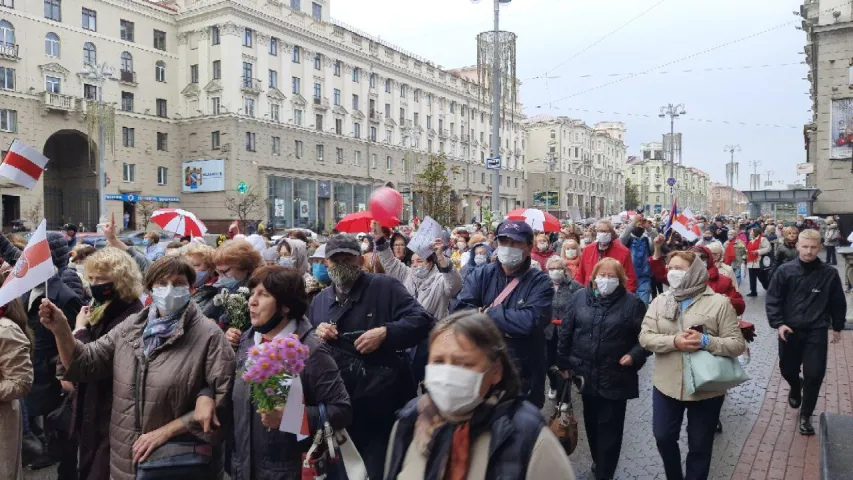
x,y
517,230
320,252
342,244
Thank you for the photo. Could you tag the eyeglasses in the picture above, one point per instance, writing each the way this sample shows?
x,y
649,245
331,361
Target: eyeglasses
x,y
224,273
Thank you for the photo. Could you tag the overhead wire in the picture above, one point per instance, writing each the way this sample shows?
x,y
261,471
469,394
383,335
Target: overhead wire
x,y
690,70
687,118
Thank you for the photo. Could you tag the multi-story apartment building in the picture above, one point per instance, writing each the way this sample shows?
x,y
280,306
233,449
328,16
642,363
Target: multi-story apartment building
x,y
649,173
571,165
829,137
212,94
724,200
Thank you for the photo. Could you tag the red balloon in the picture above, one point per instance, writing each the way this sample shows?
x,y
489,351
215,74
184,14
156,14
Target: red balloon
x,y
385,204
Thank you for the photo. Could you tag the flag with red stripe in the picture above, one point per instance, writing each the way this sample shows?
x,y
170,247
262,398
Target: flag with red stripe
x,y
33,267
23,164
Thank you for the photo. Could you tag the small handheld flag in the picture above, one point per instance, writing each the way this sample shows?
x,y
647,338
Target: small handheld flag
x,y
34,266
23,164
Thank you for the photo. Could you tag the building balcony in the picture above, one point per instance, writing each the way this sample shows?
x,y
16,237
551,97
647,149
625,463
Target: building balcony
x,y
321,102
443,133
58,102
251,85
375,116
127,77
465,138
9,51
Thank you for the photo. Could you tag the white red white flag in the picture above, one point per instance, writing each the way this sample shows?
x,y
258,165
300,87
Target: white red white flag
x,y
33,267
23,164
294,417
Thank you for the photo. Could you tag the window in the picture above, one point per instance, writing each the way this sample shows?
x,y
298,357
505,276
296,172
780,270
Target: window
x,y
429,99
274,112
275,145
387,110
217,69
161,108
90,92
318,90
337,68
193,73
483,177
126,101
159,40
387,85
214,105
7,78
318,122
297,85
320,152
339,126
297,148
416,119
372,134
160,71
339,155
297,54
8,120
355,102
52,84
162,174
126,28
452,107
356,74
10,4
53,10
248,37
388,163
214,140
90,54
51,45
389,134
417,95
250,142
402,116
429,121
128,172
273,46
316,11
249,106
297,117
90,19
357,158
126,62
296,4
336,96
405,166
372,160
429,146
214,35
162,142
273,79
404,90
372,80
318,61
356,130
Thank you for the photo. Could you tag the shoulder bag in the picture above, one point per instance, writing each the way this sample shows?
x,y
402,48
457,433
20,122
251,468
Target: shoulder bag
x,y
332,455
705,372
563,423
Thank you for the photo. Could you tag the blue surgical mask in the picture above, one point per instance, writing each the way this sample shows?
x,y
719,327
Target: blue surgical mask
x,y
321,273
285,261
228,282
201,277
146,242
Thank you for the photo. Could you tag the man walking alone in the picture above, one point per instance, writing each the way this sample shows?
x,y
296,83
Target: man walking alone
x,y
804,299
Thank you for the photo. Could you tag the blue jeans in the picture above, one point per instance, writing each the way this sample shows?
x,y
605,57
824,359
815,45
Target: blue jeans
x,y
737,274
644,289
702,416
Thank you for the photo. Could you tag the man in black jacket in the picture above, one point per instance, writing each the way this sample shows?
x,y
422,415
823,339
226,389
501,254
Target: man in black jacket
x,y
368,320
804,299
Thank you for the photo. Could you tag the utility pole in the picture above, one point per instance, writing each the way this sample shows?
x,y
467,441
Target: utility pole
x,y
673,112
731,173
496,110
755,183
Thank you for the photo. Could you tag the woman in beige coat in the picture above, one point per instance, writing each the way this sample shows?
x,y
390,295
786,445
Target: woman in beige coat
x,y
16,379
686,318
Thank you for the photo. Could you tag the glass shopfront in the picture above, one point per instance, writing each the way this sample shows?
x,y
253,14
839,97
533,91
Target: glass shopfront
x,y
295,202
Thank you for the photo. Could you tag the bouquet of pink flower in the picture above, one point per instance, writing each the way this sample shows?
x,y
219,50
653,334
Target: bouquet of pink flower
x,y
271,368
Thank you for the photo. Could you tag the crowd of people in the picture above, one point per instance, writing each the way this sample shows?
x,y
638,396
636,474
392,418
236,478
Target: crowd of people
x,y
437,362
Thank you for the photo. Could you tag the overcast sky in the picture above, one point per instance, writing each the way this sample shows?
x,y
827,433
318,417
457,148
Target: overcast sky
x,y
551,32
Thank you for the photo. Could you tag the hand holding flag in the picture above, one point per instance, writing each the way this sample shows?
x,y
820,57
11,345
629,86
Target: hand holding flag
x,y
34,266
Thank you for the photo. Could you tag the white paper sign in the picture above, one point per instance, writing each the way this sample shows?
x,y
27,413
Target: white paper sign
x,y
421,242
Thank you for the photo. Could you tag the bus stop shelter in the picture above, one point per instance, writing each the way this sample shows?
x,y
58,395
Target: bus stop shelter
x,y
784,205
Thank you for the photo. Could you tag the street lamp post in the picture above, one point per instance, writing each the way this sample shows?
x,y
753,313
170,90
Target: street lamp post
x,y
672,111
731,171
99,74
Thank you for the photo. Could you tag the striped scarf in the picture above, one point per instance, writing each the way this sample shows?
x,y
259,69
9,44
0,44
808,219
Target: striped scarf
x,y
158,329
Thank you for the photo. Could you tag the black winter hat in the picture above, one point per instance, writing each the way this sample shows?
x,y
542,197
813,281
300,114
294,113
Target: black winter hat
x,y
59,250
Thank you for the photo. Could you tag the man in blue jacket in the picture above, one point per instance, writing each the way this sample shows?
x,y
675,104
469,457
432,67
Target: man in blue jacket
x,y
518,299
368,320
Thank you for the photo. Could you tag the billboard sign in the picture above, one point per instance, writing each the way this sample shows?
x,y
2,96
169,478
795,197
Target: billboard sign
x,y
203,176
841,123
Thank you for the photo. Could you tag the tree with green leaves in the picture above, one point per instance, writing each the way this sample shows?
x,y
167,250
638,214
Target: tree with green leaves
x,y
433,188
632,195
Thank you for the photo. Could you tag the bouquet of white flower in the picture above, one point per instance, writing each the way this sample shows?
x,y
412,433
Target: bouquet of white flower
x,y
236,306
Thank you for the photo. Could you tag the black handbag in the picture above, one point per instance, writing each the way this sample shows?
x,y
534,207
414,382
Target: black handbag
x,y
185,457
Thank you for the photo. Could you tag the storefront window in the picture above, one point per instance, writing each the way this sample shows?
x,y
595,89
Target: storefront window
x,y
281,199
343,199
361,194
305,203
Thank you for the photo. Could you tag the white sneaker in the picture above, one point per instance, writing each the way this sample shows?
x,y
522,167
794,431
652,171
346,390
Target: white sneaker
x,y
552,394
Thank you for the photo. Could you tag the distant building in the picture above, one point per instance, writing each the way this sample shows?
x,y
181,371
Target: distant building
x,y
650,173
720,200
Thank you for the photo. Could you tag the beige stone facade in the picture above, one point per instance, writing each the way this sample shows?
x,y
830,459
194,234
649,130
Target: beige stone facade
x,y
650,172
720,200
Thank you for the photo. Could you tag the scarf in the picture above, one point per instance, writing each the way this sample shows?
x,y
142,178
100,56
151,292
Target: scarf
x,y
752,249
694,283
729,256
158,330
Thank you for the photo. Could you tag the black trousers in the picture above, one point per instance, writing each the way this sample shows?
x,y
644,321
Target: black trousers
x,y
830,255
806,348
604,422
757,275
555,381
702,417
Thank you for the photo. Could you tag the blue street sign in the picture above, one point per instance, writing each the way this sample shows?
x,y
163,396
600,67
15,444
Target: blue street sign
x,y
493,163
133,198
670,181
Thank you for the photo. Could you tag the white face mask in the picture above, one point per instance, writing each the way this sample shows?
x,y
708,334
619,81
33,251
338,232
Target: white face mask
x,y
461,245
542,245
170,299
557,276
479,259
571,253
606,286
602,237
509,256
420,271
365,247
285,261
454,390
675,277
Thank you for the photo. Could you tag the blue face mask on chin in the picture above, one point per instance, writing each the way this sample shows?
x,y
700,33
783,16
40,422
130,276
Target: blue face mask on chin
x,y
321,273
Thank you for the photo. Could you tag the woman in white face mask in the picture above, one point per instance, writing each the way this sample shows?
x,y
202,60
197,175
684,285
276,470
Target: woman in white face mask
x,y
598,342
564,288
571,253
160,360
479,257
472,397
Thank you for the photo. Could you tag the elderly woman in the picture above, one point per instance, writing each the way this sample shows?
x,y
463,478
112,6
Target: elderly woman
x,y
294,253
116,286
570,252
756,248
716,250
686,318
564,287
160,360
277,308
481,256
598,342
460,427
16,379
235,262
151,242
541,250
200,257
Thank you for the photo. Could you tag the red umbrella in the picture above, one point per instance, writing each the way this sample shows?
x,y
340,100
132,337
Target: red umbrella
x,y
537,219
360,222
180,222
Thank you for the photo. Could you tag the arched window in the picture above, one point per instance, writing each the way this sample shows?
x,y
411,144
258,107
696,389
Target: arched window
x,y
7,33
51,45
90,54
160,71
126,62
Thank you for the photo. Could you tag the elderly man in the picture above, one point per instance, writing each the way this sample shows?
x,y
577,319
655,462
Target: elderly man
x,y
518,299
606,245
367,319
